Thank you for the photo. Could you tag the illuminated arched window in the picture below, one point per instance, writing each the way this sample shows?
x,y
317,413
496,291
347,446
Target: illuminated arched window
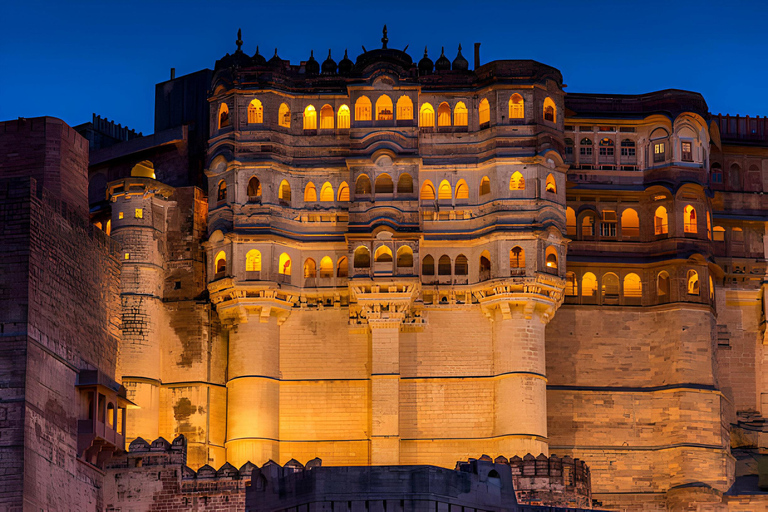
x,y
362,257
428,266
484,112
589,285
310,193
550,110
443,114
660,223
630,223
404,257
284,116
444,265
516,107
485,266
405,184
693,282
384,109
284,193
223,116
427,191
326,193
310,268
711,289
326,267
517,182
461,267
363,185
709,225
220,264
588,225
310,118
404,108
550,184
254,189
516,258
689,219
718,234
462,190
326,117
342,267
384,184
383,254
284,264
108,229
343,117
485,186
551,260
427,115
610,286
460,114
255,112
570,221
662,285
633,287
363,109
444,192
571,289
221,195
343,191
253,261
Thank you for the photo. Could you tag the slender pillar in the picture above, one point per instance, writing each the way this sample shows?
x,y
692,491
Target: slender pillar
x,y
385,391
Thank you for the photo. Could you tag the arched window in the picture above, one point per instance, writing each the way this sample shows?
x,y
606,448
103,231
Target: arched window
x,y
443,114
630,223
222,191
284,193
384,108
734,177
610,286
588,225
255,112
444,192
462,190
461,267
404,257
628,149
484,112
284,264
427,115
343,117
383,254
108,229
405,184
662,285
689,219
485,186
606,146
444,265
460,114
717,174
693,282
310,193
516,107
485,266
384,184
711,289
220,264
550,110
427,191
284,116
362,185
589,285
254,189
326,267
571,289
326,117
343,191
310,118
719,234
550,184
362,257
570,221
363,109
404,108
585,149
326,193
633,287
253,261
551,261
428,266
709,225
342,267
310,268
517,258
111,415
223,116
517,182
660,225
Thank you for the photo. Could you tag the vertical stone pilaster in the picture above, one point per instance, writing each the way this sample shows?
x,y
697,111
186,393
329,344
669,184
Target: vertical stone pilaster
x,y
385,392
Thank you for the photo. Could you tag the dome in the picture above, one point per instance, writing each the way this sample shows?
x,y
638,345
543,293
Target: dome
x,y
460,63
144,169
425,64
312,67
258,59
275,61
345,65
442,64
329,66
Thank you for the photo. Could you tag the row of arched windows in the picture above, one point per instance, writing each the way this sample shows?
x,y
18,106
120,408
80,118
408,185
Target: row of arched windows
x,y
253,263
609,287
630,222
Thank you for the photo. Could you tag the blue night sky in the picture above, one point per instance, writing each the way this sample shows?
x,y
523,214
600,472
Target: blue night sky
x,y
71,58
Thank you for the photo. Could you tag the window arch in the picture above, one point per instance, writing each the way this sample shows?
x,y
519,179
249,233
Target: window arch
x,y
326,117
326,193
310,268
255,112
383,254
363,109
693,282
571,288
517,182
221,194
444,114
444,265
405,184
343,191
342,120
363,185
427,191
662,285
404,108
633,287
630,223
462,190
718,234
326,267
689,219
550,184
517,258
610,288
223,116
570,221
516,107
384,184
660,221
404,257
220,263
284,264
342,267
460,114
709,225
484,112
362,257
444,192
284,116
589,285
310,193
551,261
485,186
427,115
588,224
384,109
254,189
550,110
253,261
310,118
284,193
461,267
428,266
485,266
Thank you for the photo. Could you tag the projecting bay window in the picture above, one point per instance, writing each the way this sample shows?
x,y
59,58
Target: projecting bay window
x,y
608,224
686,151
659,152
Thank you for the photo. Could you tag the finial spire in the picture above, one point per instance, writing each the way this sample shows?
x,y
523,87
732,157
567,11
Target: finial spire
x,y
239,41
384,39
425,51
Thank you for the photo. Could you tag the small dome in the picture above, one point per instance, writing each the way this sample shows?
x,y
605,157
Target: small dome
x,y
345,65
329,66
460,63
312,67
425,64
144,169
443,64
275,60
258,59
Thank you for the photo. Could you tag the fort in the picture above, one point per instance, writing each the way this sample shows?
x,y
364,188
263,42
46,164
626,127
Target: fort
x,y
390,266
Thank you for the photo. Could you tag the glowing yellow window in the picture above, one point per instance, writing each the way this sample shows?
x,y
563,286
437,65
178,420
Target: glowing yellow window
x,y
550,110
484,112
284,264
120,215
516,107
444,114
343,191
326,193
460,114
326,117
427,115
255,112
284,116
343,117
444,192
310,118
127,256
404,108
550,184
310,193
253,261
363,109
517,182
139,213
462,190
689,216
384,108
427,192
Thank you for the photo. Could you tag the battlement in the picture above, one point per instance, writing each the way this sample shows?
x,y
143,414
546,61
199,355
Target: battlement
x,y
738,129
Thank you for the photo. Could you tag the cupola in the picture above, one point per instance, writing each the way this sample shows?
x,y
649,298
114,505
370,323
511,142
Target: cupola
x,y
442,63
460,63
329,65
425,64
312,67
345,65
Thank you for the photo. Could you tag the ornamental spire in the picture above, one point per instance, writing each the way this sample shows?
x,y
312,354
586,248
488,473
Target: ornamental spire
x,y
384,39
239,41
